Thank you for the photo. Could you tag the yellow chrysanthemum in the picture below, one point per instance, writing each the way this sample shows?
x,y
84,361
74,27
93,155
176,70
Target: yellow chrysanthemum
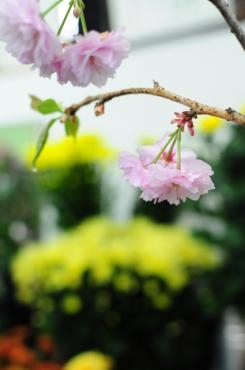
x,y
69,151
114,254
90,361
209,124
71,304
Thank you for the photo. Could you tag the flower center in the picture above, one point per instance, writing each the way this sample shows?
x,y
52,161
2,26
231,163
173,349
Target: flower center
x,y
168,156
91,60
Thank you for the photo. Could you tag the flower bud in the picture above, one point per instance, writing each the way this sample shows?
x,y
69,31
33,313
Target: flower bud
x,y
190,127
63,118
99,109
77,11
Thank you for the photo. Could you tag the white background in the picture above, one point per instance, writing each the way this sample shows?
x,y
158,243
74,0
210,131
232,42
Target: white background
x,y
209,68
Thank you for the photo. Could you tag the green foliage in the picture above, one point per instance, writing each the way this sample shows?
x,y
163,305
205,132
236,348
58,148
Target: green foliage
x,y
70,174
19,218
71,125
230,180
46,106
42,140
220,217
74,191
160,212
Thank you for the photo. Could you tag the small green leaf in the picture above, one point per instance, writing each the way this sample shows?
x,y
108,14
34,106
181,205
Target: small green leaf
x,y
42,141
35,102
72,126
49,106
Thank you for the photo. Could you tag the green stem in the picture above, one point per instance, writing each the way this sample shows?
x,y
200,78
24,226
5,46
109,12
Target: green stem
x,y
172,137
178,149
172,145
65,18
83,22
56,3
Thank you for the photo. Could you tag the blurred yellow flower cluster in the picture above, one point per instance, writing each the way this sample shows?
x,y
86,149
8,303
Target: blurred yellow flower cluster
x,y
113,253
69,151
89,361
209,124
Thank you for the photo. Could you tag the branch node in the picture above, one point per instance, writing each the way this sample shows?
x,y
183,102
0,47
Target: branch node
x,y
230,110
156,84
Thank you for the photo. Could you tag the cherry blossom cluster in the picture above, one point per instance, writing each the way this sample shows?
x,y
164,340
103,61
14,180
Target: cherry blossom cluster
x,y
163,172
91,58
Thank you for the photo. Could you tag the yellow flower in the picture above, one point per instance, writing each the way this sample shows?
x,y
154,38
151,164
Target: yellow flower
x,y
116,254
67,152
90,361
209,124
71,304
161,301
124,282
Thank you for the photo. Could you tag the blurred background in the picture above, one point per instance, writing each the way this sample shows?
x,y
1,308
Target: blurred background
x,y
91,277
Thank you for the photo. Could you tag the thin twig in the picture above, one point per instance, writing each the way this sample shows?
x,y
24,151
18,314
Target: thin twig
x,y
230,19
227,114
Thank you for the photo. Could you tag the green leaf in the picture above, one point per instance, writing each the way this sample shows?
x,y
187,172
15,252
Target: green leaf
x,y
49,106
35,102
42,141
72,126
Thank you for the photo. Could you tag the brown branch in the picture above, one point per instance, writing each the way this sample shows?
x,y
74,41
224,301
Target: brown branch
x,y
230,19
198,108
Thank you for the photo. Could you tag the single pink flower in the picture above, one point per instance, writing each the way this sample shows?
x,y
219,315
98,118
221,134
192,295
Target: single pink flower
x,y
161,180
27,36
93,58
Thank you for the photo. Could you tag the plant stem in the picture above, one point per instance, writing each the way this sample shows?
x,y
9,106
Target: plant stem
x,y
83,22
178,149
65,18
227,114
172,137
172,145
56,3
231,20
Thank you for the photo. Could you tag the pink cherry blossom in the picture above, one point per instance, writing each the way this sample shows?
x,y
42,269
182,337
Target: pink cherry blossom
x,y
27,36
93,58
161,180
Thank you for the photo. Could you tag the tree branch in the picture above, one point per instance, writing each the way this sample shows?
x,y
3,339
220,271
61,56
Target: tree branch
x,y
230,19
227,114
